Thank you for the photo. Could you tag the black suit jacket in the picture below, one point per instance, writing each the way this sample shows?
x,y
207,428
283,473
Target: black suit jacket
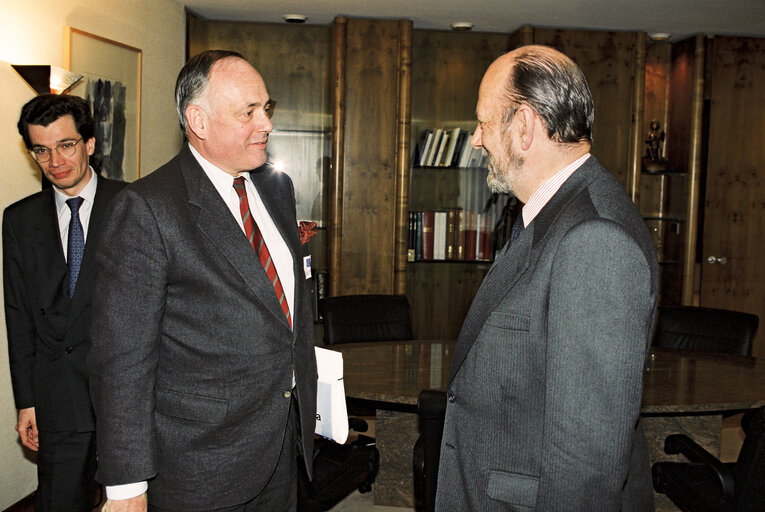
x,y
48,335
192,355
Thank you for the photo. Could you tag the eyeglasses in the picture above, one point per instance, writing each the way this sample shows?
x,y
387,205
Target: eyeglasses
x,y
65,149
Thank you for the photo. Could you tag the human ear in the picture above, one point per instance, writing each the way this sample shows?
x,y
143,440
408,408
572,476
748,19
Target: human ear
x,y
527,120
196,121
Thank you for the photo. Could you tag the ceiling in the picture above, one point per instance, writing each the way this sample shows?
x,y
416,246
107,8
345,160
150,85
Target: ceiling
x,y
680,18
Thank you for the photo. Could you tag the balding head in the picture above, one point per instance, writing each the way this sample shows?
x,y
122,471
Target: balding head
x,y
551,84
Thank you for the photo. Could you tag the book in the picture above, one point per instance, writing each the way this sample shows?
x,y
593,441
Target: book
x,y
461,235
438,162
470,235
428,223
433,149
485,230
454,137
462,141
426,145
439,235
465,152
418,239
411,238
451,233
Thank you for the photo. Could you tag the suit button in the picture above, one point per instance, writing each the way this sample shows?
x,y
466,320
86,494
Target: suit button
x,y
451,398
287,394
68,350
42,311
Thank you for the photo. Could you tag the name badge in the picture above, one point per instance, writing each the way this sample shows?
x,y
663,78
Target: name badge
x,y
307,266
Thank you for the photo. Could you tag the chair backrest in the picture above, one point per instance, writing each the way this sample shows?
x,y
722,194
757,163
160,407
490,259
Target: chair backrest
x,y
705,329
360,318
431,410
750,466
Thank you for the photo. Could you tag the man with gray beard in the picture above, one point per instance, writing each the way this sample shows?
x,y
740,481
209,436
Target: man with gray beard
x,y
543,401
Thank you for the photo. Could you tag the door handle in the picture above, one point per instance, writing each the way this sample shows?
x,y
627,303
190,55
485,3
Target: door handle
x,y
722,260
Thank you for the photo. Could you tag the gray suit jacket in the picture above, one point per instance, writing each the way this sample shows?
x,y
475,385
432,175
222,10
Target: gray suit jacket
x,y
543,403
192,356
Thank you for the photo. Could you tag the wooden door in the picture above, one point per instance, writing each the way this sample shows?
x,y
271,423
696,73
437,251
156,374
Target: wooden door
x,y
734,207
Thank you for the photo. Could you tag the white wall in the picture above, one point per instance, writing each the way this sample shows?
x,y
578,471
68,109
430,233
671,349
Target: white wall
x,y
31,32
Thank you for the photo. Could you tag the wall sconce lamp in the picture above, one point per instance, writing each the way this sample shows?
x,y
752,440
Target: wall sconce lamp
x,y
47,79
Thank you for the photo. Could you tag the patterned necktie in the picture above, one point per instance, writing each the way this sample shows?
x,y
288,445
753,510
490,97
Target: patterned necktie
x,y
256,240
76,242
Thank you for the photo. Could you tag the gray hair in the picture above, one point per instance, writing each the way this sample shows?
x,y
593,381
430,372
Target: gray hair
x,y
193,79
554,86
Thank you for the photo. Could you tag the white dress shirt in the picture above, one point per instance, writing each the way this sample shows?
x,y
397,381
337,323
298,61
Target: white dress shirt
x,y
88,194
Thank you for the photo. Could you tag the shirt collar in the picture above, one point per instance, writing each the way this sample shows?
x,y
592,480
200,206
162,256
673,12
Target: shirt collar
x,y
543,194
88,193
221,180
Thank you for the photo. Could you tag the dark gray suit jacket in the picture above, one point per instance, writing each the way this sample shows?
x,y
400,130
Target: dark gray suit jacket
x,y
543,404
192,355
47,331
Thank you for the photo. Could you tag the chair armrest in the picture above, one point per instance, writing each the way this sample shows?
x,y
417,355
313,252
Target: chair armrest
x,y
358,425
682,444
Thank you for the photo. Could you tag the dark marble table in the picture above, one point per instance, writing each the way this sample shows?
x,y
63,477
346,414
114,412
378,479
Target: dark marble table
x,y
683,392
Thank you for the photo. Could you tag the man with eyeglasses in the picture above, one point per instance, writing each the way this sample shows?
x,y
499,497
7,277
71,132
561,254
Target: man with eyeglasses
x,y
48,244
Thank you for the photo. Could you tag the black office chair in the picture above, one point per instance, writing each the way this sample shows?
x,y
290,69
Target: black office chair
x,y
431,409
706,484
705,329
360,318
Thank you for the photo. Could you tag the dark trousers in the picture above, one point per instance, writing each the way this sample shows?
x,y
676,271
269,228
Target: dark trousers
x,y
280,493
66,470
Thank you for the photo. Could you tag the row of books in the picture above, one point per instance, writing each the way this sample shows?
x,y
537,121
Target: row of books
x,y
448,148
450,234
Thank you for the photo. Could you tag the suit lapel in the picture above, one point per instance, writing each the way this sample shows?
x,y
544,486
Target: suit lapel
x,y
512,263
500,279
95,223
49,253
215,221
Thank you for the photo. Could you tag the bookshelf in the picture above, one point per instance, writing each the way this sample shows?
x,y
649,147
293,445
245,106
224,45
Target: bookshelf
x,y
447,68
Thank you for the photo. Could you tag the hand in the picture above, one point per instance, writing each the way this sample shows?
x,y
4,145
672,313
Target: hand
x,y
27,428
138,504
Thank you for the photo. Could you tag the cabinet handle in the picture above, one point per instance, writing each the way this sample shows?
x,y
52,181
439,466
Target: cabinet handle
x,y
722,260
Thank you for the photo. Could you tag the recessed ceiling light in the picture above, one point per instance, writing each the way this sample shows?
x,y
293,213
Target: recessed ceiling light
x,y
461,25
294,18
659,36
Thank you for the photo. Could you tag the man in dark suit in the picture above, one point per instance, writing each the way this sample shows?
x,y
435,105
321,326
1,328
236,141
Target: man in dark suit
x,y
49,239
204,373
543,401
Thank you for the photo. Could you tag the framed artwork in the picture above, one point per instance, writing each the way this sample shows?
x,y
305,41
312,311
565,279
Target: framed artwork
x,y
112,86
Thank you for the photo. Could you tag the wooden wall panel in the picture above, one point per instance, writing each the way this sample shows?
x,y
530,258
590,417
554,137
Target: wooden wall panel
x,y
734,217
440,295
369,194
607,60
294,61
447,68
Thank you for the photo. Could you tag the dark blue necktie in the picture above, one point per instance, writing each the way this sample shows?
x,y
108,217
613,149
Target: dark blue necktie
x,y
76,243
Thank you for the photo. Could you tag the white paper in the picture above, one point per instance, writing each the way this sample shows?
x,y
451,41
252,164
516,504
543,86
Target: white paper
x,y
331,414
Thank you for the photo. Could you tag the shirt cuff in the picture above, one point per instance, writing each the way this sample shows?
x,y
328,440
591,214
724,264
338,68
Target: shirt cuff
x,y
126,491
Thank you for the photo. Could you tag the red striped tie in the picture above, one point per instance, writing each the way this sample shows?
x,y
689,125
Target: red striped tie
x,y
256,240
